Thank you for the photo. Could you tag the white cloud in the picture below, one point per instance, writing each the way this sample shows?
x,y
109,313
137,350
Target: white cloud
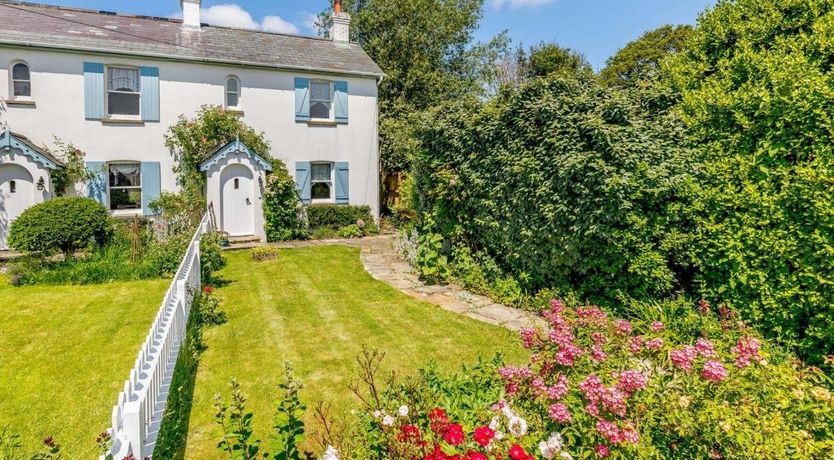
x,y
309,21
515,4
232,15
276,24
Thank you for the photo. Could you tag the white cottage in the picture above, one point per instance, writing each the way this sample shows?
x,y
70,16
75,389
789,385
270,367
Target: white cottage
x,y
112,84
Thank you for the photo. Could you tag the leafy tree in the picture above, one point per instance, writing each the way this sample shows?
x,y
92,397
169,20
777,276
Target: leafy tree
x,y
424,48
641,60
190,140
548,58
757,96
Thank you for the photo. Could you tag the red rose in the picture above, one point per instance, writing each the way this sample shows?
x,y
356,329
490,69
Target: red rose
x,y
483,436
475,456
438,419
517,453
453,434
208,289
409,433
436,454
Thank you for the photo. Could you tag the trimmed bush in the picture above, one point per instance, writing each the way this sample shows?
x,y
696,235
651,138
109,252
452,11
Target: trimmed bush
x,y
64,224
262,253
337,216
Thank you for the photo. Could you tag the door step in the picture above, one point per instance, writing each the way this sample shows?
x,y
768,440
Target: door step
x,y
244,239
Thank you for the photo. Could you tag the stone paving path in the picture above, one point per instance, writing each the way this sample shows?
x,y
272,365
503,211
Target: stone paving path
x,y
381,260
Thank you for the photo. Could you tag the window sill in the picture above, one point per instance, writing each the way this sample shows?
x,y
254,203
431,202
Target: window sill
x,y
123,121
321,123
20,102
126,212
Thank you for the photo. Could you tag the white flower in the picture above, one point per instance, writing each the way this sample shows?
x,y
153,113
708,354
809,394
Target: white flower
x,y
388,420
330,454
403,411
565,455
495,423
553,446
377,414
508,412
499,435
546,450
517,426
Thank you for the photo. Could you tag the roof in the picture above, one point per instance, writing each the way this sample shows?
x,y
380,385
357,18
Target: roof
x,y
19,141
55,27
235,146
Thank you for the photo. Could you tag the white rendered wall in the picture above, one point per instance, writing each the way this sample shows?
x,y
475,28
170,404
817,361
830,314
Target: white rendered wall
x,y
267,101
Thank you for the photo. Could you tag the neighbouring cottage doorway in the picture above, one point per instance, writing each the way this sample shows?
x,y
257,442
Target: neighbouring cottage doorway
x,y
238,200
17,193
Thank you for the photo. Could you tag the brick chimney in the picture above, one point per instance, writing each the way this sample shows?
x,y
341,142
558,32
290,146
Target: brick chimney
x,y
191,13
339,23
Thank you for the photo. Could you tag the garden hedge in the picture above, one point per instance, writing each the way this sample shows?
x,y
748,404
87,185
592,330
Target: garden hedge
x,y
337,216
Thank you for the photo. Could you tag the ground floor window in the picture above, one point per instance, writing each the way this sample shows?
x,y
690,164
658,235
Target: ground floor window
x,y
125,186
322,182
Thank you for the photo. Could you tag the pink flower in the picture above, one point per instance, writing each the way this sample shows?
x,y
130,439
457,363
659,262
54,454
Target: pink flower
x,y
714,371
629,434
610,431
567,354
635,343
529,336
747,349
483,435
559,412
683,357
631,381
703,307
657,326
654,344
597,353
623,327
559,389
453,434
602,451
705,349
591,316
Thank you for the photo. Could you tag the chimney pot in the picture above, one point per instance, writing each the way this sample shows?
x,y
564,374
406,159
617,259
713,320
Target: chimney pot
x,y
339,24
337,6
191,13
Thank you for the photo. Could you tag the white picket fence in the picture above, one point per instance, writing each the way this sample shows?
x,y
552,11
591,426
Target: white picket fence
x,y
138,412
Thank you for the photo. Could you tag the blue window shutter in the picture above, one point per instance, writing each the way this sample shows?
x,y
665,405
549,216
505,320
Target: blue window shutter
x,y
93,90
342,183
303,181
149,87
302,99
97,185
340,88
151,185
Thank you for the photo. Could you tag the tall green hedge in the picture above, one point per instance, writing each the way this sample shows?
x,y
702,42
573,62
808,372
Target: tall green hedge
x,y
757,89
565,184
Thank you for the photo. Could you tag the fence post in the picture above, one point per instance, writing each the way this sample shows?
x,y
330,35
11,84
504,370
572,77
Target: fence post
x,y
134,426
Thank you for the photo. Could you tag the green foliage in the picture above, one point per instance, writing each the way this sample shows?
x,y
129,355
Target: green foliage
x,y
12,449
423,46
64,224
288,420
281,206
211,256
74,170
262,253
431,261
287,423
564,185
641,60
236,424
546,59
337,216
350,231
191,140
756,88
179,213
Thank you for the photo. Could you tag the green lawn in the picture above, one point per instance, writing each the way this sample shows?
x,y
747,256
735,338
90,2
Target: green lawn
x,y
317,307
65,352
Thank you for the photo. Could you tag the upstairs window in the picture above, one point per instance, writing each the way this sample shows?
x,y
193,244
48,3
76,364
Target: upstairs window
x,y
322,182
123,91
21,80
233,93
125,186
321,102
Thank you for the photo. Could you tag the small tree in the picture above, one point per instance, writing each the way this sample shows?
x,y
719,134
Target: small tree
x,y
64,224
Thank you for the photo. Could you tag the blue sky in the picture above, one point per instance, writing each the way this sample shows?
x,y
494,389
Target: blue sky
x,y
597,28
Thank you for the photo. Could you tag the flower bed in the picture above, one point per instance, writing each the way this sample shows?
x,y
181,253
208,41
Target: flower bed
x,y
697,384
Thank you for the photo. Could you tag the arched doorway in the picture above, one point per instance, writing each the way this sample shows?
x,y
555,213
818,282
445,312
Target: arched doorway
x,y
17,193
238,200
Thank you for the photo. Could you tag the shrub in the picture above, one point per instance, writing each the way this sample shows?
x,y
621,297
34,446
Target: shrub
x,y
756,90
282,207
337,216
690,383
211,256
262,253
323,233
12,449
350,231
179,212
565,185
64,224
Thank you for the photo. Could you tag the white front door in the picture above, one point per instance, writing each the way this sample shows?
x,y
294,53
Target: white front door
x,y
238,188
17,192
